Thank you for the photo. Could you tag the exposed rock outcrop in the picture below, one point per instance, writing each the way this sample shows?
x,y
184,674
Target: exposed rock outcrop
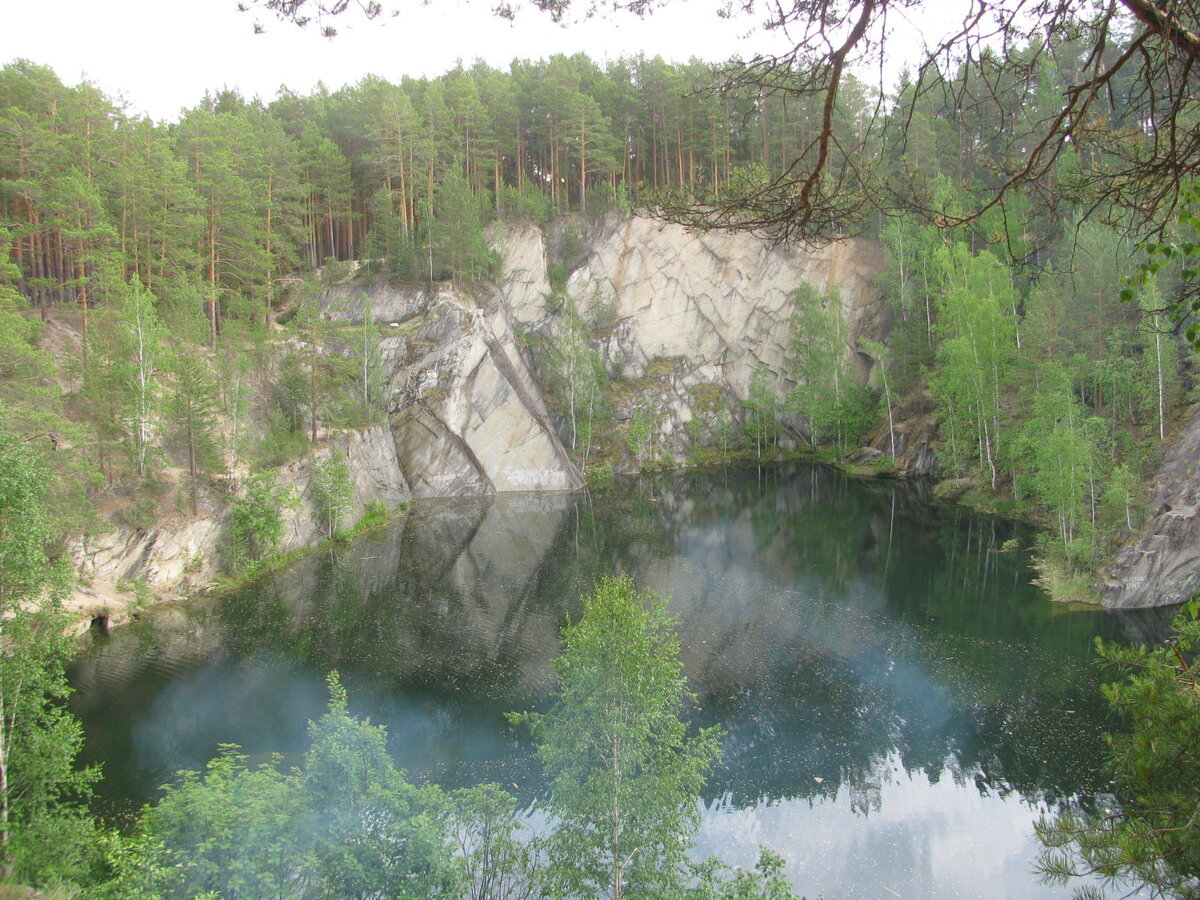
x,y
180,555
691,311
1162,565
722,301
685,317
374,473
468,415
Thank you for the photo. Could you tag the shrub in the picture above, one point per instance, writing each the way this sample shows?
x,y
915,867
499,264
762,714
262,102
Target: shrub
x,y
256,522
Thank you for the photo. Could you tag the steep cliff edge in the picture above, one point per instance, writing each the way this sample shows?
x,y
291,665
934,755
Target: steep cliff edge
x,y
1161,566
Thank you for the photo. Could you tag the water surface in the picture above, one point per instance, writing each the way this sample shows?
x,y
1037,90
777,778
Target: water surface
x,y
900,703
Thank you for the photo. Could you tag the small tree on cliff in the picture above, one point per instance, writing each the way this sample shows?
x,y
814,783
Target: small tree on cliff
x,y
333,491
625,771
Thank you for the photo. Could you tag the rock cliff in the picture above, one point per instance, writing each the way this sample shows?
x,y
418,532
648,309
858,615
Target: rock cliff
x,y
467,415
180,554
692,314
1161,566
684,315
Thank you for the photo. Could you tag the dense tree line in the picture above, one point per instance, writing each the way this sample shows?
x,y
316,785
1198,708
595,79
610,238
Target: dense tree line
x,y
239,195
195,229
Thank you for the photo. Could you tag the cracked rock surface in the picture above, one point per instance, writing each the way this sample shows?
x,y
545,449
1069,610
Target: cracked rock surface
x,y
1161,566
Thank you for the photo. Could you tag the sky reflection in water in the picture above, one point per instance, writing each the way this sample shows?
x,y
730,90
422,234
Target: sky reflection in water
x,y
900,703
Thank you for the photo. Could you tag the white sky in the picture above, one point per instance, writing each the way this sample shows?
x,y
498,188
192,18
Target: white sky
x,y
160,56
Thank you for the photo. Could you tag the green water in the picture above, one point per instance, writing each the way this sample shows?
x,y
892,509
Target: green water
x,y
900,703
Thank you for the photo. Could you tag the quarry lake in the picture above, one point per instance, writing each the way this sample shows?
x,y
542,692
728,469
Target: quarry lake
x,y
900,704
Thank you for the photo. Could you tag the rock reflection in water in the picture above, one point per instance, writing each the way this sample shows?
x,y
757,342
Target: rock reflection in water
x,y
893,689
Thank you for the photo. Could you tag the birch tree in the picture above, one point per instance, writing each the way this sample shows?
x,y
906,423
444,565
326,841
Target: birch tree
x,y
578,374
625,771
978,342
141,335
1159,355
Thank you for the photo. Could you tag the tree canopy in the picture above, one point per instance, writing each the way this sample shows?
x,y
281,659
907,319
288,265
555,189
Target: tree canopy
x,y
1119,113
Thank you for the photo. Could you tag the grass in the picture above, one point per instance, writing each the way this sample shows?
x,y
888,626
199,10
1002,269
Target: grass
x,y
1062,582
375,517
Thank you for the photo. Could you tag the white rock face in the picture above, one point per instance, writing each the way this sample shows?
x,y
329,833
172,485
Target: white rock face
x,y
524,284
347,302
723,302
470,417
169,555
694,313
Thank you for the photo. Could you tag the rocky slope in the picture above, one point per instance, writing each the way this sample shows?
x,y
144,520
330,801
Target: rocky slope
x,y
1161,566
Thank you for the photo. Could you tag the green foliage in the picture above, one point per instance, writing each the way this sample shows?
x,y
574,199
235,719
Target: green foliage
x,y
557,275
345,825
366,370
229,830
285,437
625,771
375,514
25,368
140,590
578,379
977,342
459,247
368,831
1151,838
388,249
760,427
639,434
1179,252
45,834
827,394
1067,465
766,881
131,351
194,406
134,866
333,491
256,523
524,204
499,863
601,476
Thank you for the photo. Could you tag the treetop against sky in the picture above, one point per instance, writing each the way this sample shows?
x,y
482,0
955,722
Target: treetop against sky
x,y
161,57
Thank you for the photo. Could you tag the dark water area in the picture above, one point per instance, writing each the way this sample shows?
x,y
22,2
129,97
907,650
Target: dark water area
x,y
900,703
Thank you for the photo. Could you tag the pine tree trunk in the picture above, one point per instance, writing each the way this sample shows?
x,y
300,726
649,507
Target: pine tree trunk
x,y
312,380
